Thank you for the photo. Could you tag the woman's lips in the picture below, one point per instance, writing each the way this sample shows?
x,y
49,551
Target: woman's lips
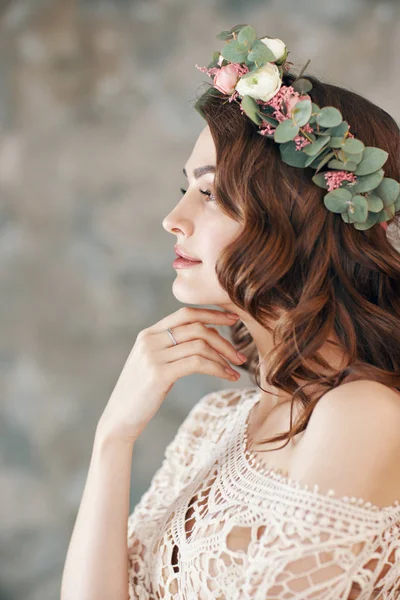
x,y
183,263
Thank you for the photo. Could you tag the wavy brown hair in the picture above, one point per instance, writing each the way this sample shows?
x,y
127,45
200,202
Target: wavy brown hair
x,y
299,266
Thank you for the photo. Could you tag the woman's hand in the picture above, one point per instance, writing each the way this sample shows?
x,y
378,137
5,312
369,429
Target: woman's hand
x,y
155,364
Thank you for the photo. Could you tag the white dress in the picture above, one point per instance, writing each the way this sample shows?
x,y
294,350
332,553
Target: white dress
x,y
212,526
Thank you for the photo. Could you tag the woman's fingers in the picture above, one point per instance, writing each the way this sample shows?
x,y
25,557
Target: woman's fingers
x,y
188,314
185,349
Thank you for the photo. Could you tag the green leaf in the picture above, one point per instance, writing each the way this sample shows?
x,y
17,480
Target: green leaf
x,y
386,213
356,158
250,107
234,52
320,181
269,119
321,160
339,130
302,85
214,60
315,112
291,156
357,210
388,190
286,131
237,28
337,201
368,182
371,220
302,112
373,159
329,116
397,203
336,142
338,164
264,108
353,146
261,54
247,36
375,203
225,35
315,147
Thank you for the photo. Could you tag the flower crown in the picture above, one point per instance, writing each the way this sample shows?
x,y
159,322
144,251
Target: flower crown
x,y
249,70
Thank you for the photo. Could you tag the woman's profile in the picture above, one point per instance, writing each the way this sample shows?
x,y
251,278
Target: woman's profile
x,y
291,488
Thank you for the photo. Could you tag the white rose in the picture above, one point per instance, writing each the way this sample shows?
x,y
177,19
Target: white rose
x,y
276,46
262,84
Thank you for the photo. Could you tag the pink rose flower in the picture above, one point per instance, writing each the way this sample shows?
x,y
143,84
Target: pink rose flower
x,y
226,79
292,101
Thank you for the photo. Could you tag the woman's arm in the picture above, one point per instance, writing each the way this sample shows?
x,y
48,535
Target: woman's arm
x,y
96,566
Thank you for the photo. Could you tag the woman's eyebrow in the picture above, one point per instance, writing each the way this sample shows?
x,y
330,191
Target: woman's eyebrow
x,y
201,171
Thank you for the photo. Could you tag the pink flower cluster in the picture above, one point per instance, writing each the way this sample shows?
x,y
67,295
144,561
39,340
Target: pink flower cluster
x,y
286,96
334,179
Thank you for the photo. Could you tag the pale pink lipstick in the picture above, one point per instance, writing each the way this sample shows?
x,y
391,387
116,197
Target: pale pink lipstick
x,y
184,260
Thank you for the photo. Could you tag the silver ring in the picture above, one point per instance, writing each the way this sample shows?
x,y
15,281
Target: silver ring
x,y
171,336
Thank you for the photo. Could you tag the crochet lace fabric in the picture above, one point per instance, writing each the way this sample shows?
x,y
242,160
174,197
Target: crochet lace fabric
x,y
212,526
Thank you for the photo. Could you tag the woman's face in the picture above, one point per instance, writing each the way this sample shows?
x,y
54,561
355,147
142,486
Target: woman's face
x,y
202,230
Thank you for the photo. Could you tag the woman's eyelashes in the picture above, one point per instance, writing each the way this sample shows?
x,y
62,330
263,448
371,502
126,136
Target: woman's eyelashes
x,y
204,192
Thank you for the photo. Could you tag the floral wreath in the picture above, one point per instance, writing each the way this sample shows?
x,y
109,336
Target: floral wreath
x,y
249,70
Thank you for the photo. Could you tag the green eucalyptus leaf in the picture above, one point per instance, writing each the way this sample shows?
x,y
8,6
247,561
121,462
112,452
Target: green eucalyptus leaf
x,y
261,54
397,203
372,160
371,220
247,36
302,112
375,203
337,201
237,28
356,158
336,142
225,35
302,85
265,108
320,180
388,190
338,164
250,107
329,116
386,213
214,60
291,156
321,160
339,130
353,146
357,210
286,131
269,119
234,52
368,182
315,147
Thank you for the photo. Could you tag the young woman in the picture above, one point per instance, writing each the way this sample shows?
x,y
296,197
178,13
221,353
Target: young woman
x,y
234,513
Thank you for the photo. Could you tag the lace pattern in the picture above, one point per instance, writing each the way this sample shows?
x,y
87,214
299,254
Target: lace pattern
x,y
213,526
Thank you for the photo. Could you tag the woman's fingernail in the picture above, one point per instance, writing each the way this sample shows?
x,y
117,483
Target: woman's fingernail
x,y
232,315
241,356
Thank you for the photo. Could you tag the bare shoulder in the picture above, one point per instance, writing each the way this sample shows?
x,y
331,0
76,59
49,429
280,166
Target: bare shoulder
x,y
352,443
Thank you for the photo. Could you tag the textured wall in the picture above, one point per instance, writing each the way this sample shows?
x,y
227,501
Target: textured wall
x,y
95,127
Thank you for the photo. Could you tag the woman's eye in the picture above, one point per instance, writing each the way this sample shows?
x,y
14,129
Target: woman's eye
x,y
204,192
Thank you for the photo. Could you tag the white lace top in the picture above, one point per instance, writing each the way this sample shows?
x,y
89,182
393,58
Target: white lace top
x,y
213,526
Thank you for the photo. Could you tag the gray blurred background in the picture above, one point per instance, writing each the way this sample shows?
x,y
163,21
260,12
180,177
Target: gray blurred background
x,y
96,123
